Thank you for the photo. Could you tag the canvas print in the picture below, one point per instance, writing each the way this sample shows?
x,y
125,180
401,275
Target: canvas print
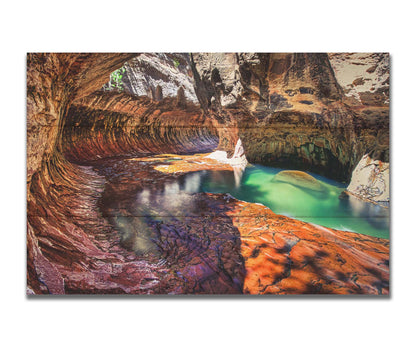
x,y
208,173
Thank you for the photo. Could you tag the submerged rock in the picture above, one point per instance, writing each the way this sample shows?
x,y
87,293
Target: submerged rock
x,y
299,179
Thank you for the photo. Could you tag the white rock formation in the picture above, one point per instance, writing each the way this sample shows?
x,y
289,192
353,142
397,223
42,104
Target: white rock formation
x,y
370,180
238,161
238,158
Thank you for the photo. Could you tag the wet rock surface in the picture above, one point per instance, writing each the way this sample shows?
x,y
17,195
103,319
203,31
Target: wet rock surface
x,y
136,232
156,220
299,179
286,256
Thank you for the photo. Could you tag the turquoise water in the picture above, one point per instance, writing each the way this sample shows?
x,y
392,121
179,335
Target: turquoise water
x,y
322,207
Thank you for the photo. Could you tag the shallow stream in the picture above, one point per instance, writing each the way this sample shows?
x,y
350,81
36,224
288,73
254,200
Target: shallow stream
x,y
136,194
323,207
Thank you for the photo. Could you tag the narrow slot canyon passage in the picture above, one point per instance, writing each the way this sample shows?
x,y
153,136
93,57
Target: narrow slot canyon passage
x,y
205,174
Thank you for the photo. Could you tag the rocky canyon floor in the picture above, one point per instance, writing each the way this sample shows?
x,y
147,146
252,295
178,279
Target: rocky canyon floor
x,y
214,243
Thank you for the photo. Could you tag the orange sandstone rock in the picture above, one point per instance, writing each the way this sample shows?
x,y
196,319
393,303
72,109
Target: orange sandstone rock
x,y
286,256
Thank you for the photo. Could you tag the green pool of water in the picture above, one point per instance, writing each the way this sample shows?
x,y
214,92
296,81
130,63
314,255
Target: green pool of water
x,y
324,207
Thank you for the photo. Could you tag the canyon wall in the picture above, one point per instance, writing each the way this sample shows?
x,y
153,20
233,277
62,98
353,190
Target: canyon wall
x,y
70,247
156,75
55,207
289,109
106,124
308,111
282,109
365,79
53,82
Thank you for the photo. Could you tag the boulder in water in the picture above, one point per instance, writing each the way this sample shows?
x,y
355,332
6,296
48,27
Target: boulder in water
x,y
299,179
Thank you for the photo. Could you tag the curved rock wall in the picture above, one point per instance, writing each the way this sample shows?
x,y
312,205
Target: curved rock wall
x,y
108,124
288,109
53,82
61,196
70,247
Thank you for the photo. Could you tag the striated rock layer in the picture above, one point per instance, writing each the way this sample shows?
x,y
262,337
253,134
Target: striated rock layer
x,y
53,82
75,183
60,196
71,249
294,110
108,124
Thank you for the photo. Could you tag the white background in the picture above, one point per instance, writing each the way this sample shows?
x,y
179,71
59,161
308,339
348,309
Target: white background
x,y
300,26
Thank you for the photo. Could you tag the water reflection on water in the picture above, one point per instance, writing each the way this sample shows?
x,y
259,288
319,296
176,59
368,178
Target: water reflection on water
x,y
133,208
322,207
175,198
256,184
